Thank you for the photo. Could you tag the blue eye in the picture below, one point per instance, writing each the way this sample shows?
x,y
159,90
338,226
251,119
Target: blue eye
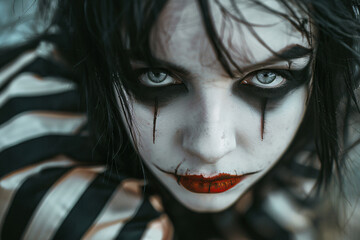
x,y
156,76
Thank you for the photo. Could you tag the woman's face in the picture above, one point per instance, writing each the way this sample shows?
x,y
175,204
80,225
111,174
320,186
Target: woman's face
x,y
207,136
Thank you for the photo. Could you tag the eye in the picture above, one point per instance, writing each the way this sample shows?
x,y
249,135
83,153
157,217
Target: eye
x,y
157,78
265,79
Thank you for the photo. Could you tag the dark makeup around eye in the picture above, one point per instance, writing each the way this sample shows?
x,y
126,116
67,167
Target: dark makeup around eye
x,y
293,78
163,94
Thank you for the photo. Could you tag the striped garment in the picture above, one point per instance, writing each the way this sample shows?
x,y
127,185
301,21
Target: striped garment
x,y
52,185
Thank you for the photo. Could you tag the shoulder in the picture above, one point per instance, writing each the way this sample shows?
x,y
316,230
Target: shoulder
x,y
53,184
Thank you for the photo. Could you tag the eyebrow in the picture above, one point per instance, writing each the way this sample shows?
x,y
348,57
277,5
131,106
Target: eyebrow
x,y
159,63
294,51
287,53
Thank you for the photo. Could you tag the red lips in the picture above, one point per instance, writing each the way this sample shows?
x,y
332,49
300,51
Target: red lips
x,y
217,184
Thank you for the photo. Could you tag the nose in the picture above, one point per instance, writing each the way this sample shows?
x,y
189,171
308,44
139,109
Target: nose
x,y
209,135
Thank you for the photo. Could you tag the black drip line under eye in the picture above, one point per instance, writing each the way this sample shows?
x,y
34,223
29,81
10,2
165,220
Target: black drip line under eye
x,y
156,109
263,110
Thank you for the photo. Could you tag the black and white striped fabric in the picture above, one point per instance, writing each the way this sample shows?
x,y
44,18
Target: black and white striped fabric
x,y
51,185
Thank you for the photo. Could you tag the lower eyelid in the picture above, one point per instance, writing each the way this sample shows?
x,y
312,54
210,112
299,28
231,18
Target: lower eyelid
x,y
163,93
263,92
259,92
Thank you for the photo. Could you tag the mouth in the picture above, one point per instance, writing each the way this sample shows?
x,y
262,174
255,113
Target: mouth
x,y
216,184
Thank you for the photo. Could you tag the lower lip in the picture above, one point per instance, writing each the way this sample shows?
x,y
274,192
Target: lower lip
x,y
217,184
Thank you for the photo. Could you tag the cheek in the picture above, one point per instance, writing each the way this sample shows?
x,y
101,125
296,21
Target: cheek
x,y
157,131
282,121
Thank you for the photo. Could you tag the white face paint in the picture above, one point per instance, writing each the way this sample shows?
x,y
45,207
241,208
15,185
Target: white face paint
x,y
215,137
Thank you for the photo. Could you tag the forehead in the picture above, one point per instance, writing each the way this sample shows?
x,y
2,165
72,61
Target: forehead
x,y
180,35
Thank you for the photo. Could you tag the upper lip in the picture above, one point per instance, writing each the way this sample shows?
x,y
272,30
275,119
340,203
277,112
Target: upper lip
x,y
201,177
218,177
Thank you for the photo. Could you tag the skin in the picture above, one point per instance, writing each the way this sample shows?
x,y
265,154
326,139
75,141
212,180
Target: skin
x,y
212,128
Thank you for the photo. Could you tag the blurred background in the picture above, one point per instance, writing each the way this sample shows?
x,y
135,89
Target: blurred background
x,y
18,21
